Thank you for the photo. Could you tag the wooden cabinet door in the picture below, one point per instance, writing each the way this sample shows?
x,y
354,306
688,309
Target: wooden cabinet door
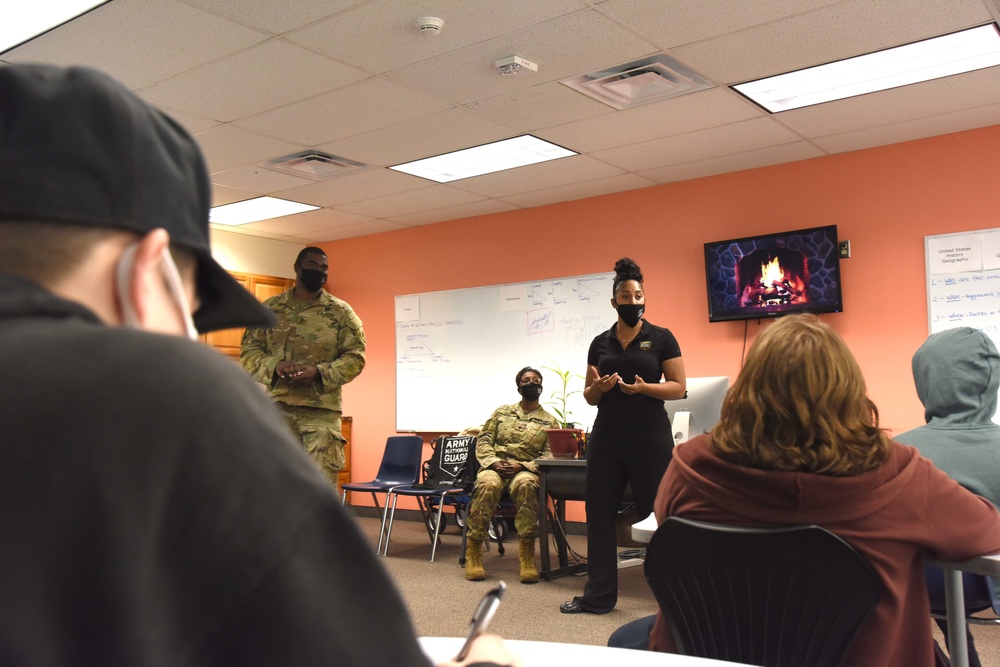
x,y
344,476
227,341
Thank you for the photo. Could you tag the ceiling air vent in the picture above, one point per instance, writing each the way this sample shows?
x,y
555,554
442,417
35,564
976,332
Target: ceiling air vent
x,y
314,164
639,82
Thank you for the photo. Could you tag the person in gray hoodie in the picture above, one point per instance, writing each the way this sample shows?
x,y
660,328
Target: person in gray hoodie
x,y
957,376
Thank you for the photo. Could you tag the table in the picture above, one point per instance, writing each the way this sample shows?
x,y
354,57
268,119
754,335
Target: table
x,y
958,646
954,599
561,480
547,654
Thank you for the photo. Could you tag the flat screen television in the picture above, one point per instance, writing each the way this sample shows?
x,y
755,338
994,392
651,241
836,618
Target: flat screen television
x,y
774,274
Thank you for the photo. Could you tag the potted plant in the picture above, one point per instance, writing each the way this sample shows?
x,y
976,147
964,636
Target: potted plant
x,y
564,442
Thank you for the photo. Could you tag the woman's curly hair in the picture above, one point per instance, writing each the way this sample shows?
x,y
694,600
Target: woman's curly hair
x,y
625,269
800,404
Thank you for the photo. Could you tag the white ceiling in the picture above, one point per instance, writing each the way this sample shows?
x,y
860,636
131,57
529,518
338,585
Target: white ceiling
x,y
258,79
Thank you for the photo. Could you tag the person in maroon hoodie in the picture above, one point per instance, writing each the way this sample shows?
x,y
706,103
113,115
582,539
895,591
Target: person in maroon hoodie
x,y
799,443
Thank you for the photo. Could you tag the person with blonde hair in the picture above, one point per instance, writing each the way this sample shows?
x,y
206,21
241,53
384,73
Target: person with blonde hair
x,y
799,443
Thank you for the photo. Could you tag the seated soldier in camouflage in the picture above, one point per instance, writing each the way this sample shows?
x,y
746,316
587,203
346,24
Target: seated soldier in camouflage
x,y
506,450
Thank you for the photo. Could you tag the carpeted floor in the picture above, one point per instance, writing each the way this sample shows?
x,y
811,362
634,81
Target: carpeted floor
x,y
441,601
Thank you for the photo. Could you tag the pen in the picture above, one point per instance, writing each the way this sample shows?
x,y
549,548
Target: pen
x,y
481,618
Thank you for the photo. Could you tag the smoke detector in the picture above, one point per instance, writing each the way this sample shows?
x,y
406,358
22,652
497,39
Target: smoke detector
x,y
513,65
429,25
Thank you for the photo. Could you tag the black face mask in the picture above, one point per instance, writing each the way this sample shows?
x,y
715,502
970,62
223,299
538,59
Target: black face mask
x,y
312,279
531,392
630,312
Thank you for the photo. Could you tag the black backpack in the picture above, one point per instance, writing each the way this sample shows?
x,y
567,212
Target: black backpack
x,y
451,464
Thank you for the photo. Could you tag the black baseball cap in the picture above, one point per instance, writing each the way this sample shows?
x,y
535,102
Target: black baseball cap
x,y
78,147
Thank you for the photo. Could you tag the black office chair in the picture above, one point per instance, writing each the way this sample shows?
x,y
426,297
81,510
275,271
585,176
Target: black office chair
x,y
779,597
400,466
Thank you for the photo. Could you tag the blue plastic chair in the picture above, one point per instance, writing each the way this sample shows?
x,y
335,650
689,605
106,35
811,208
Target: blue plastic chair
x,y
400,467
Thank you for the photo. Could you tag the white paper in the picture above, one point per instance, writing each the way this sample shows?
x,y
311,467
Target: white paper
x,y
513,298
954,254
991,250
407,308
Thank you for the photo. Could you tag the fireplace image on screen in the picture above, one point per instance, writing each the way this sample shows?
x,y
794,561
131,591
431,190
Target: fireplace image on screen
x,y
773,274
774,277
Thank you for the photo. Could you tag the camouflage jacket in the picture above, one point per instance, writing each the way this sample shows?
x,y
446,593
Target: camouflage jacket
x,y
324,333
511,434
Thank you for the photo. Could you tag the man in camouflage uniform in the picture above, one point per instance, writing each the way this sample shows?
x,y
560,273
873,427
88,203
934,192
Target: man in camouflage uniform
x,y
317,347
506,450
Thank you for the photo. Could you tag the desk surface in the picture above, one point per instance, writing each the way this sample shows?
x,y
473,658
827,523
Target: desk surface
x,y
547,654
988,565
574,463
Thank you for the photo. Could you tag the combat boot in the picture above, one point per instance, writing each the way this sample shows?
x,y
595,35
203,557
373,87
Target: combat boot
x,y
529,574
474,570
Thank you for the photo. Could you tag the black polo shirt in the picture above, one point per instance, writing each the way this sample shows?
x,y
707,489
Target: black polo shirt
x,y
644,357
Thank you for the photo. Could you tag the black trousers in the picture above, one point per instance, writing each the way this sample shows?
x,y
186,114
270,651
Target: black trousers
x,y
633,450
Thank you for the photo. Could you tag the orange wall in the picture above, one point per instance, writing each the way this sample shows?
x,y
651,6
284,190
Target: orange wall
x,y
884,200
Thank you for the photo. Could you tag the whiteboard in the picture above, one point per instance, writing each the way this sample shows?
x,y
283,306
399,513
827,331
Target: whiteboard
x,y
457,351
963,282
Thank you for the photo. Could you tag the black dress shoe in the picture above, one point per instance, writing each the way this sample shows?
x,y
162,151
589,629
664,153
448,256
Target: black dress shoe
x,y
572,607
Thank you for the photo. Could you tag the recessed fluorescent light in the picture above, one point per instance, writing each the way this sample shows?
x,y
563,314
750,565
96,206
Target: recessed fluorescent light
x,y
929,59
252,210
31,19
486,159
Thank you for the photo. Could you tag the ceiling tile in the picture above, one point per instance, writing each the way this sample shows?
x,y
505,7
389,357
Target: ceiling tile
x,y
359,108
257,179
671,23
947,123
139,42
544,105
351,231
380,36
485,207
263,77
573,191
308,221
827,34
734,138
223,195
226,147
363,185
421,137
275,17
752,159
193,124
688,113
468,74
414,201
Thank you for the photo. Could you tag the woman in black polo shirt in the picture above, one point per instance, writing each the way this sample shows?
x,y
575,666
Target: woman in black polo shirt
x,y
631,369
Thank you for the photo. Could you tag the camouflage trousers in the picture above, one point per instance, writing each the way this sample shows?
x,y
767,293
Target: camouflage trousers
x,y
319,432
523,488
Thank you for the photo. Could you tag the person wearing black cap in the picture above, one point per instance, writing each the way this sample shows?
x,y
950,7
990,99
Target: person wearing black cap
x,y
153,506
